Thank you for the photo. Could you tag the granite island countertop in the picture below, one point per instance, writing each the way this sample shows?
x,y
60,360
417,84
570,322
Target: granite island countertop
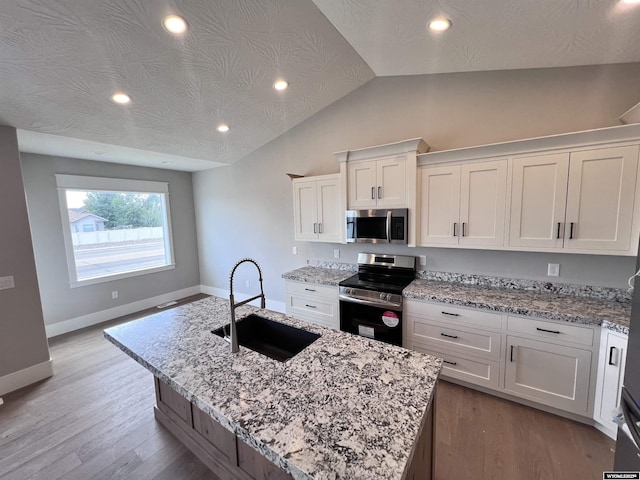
x,y
346,407
569,308
318,276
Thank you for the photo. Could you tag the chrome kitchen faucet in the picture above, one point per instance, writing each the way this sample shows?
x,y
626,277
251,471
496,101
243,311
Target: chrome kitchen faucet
x,y
233,305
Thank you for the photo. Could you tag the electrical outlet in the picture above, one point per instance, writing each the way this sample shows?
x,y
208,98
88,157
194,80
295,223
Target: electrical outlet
x,y
294,250
553,270
114,294
423,260
247,283
336,253
7,282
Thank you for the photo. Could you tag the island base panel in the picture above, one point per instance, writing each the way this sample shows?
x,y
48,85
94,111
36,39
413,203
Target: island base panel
x,y
423,463
220,450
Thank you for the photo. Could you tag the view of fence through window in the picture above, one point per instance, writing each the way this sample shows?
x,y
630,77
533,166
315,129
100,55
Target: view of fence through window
x,y
116,232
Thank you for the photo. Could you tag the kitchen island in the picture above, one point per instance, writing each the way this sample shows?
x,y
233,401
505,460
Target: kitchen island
x,y
346,407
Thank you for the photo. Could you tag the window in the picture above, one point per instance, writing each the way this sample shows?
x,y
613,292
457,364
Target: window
x,y
114,228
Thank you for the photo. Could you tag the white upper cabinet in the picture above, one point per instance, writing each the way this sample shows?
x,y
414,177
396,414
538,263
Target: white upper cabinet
x,y
378,183
463,204
580,200
318,209
600,199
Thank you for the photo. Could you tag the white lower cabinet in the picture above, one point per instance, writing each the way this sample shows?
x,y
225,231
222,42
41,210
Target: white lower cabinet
x,y
544,361
555,375
613,353
314,303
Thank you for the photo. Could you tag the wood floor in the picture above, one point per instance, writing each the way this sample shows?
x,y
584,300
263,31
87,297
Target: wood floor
x,y
94,420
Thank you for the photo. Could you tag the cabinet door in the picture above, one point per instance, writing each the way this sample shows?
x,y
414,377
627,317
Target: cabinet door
x,y
600,199
439,205
330,216
614,357
391,187
555,375
538,200
362,185
483,190
305,210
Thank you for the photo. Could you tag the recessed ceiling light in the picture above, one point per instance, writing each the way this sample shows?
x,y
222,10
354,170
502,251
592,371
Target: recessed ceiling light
x,y
223,127
440,24
175,24
121,98
281,85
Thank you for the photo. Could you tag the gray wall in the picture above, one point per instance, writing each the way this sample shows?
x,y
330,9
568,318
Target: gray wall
x,y
23,342
59,301
247,209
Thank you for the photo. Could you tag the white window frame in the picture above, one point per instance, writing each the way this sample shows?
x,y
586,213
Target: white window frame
x,y
107,184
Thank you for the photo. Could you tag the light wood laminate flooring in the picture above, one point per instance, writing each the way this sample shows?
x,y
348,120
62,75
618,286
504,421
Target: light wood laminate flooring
x,y
94,420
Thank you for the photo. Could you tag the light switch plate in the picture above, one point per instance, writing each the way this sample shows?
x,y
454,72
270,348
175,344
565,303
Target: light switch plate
x,y
7,282
553,270
336,253
423,260
294,250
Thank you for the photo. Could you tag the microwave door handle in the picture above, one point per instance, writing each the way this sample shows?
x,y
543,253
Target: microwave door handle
x,y
388,226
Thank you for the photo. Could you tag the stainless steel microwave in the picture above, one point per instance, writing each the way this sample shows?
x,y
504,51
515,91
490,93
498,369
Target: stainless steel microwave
x,y
377,226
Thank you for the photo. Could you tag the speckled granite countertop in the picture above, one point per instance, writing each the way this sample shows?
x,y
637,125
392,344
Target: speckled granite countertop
x,y
346,407
319,276
610,314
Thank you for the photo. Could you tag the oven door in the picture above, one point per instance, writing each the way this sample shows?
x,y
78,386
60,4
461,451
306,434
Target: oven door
x,y
371,321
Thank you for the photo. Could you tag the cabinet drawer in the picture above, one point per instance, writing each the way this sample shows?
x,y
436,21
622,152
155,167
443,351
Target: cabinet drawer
x,y
476,371
461,339
454,315
321,312
562,332
215,434
312,290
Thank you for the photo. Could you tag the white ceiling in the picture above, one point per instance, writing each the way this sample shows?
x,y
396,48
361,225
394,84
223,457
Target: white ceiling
x,y
60,60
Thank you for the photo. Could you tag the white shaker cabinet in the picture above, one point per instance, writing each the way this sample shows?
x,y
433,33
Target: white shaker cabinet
x,y
463,204
318,210
613,353
313,303
377,183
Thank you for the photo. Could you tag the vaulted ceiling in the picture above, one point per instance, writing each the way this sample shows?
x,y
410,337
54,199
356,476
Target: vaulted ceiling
x,y
60,61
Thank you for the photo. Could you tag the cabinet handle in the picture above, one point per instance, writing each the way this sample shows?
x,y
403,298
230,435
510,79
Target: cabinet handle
x,y
309,289
558,235
548,331
611,350
379,193
315,228
373,193
511,356
455,224
463,225
448,336
451,314
450,363
310,306
571,231
319,228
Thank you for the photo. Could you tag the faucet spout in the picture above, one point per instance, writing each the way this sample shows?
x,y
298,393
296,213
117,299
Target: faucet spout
x,y
233,305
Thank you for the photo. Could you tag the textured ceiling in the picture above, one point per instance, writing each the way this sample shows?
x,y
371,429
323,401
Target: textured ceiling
x,y
392,38
60,60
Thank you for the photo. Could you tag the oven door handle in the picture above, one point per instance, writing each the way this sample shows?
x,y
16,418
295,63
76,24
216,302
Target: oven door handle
x,y
375,303
388,226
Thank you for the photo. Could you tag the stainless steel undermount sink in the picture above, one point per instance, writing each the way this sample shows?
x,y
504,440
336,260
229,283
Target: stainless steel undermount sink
x,y
268,337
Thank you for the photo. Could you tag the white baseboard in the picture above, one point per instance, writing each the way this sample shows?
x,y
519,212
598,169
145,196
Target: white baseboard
x,y
26,376
90,319
220,292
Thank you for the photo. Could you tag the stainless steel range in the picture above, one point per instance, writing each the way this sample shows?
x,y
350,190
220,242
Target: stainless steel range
x,y
371,300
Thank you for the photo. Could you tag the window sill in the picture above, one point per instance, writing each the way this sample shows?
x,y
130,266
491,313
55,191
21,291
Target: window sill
x,y
120,276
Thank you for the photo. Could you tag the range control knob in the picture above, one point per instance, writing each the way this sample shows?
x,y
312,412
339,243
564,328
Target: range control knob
x,y
389,296
382,296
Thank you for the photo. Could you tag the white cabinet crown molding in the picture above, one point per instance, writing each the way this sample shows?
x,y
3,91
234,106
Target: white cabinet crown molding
x,y
405,146
632,115
583,139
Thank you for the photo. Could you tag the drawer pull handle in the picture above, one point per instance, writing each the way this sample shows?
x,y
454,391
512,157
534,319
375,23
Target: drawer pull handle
x,y
451,314
450,363
448,336
511,355
611,350
548,331
310,306
309,289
